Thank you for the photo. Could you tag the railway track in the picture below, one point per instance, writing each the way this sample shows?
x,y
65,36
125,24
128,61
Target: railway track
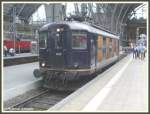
x,y
47,97
41,101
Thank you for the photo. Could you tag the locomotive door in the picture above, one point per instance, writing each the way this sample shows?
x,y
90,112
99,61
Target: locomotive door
x,y
93,54
57,49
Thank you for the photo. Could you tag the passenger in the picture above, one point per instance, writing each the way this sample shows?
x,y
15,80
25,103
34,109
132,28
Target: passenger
x,y
134,51
139,51
11,51
142,52
145,51
5,51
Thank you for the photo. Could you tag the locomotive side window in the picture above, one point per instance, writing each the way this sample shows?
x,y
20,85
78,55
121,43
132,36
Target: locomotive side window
x,y
79,40
43,40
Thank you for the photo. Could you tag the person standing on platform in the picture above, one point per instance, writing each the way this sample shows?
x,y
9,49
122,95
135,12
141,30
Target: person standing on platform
x,y
134,51
142,50
11,51
5,50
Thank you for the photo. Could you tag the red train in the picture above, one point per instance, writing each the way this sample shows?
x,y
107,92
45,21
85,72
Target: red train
x,y
22,43
23,46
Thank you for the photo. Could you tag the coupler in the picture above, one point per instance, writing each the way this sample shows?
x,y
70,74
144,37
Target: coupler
x,y
38,73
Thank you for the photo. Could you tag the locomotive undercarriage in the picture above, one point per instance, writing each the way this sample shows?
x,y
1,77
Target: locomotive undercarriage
x,y
62,80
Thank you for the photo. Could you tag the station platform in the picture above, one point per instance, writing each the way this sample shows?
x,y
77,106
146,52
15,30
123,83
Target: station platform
x,y
121,88
18,79
20,59
20,55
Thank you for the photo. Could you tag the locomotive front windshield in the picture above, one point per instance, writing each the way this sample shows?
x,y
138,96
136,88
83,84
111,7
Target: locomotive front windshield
x,y
57,37
58,41
79,40
43,39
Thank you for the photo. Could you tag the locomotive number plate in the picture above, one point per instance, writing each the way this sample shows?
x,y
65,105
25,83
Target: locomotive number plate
x,y
59,54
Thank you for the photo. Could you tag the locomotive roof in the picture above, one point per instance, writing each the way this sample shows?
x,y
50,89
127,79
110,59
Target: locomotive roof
x,y
80,26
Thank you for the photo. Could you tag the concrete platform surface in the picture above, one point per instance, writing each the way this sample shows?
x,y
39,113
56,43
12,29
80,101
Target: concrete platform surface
x,y
121,88
18,79
20,55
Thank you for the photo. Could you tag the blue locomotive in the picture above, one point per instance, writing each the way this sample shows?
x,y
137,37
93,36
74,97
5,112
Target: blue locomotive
x,y
70,50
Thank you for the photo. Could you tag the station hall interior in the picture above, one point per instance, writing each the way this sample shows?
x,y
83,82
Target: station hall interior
x,y
97,50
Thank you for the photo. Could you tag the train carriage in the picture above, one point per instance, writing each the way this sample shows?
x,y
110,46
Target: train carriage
x,y
70,50
22,43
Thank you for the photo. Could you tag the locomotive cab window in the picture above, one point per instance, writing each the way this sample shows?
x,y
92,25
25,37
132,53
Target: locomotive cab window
x,y
79,40
58,41
57,37
43,40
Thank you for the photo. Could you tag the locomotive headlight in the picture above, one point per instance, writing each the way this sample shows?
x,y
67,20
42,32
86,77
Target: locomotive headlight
x,y
43,64
58,30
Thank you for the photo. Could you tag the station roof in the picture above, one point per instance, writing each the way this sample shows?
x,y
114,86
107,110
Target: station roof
x,y
126,10
121,12
23,10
